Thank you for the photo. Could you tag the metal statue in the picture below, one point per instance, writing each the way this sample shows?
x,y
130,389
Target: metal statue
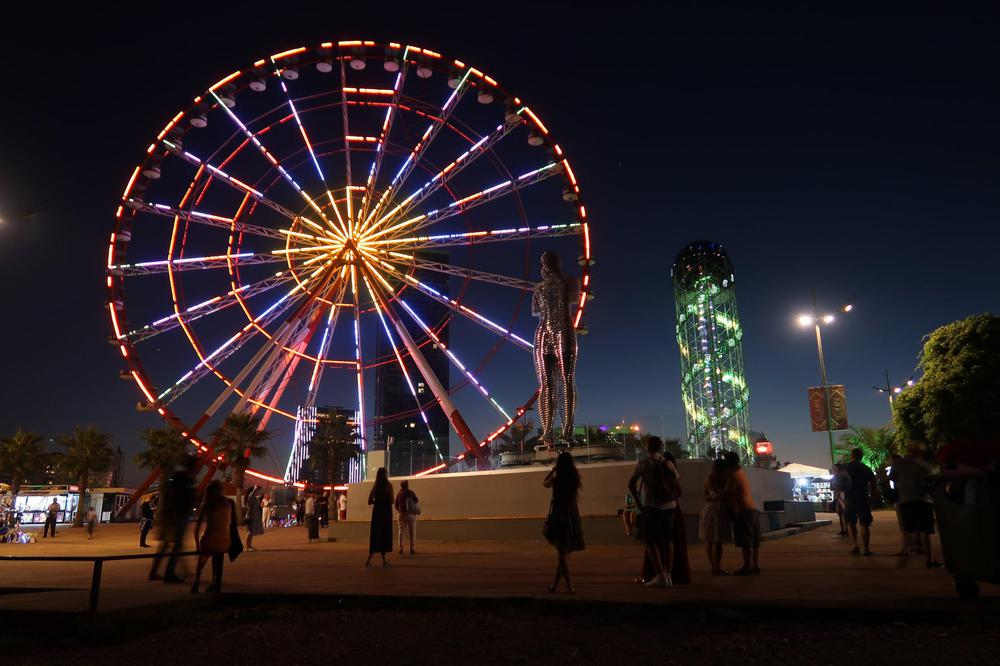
x,y
555,346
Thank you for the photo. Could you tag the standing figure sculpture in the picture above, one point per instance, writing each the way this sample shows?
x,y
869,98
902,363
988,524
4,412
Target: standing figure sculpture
x,y
555,346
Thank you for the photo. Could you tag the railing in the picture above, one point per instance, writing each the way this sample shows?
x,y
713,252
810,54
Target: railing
x,y
98,560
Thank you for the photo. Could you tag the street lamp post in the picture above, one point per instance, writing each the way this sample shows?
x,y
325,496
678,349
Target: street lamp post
x,y
892,391
815,319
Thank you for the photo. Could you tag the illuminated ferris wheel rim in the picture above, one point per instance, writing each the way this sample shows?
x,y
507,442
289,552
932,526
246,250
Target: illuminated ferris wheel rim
x,y
356,245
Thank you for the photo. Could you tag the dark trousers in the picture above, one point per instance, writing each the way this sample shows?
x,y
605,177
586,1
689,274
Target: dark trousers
x,y
50,524
312,521
174,545
144,531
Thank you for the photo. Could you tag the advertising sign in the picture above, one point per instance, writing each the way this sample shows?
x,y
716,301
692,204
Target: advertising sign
x,y
837,416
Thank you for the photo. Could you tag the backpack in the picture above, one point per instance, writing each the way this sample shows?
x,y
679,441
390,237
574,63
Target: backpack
x,y
660,481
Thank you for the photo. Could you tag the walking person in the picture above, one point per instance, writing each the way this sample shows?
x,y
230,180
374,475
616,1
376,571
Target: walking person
x,y
656,507
312,521
562,527
745,517
91,521
51,515
408,508
218,514
380,536
265,511
175,504
714,527
255,516
916,510
858,509
145,521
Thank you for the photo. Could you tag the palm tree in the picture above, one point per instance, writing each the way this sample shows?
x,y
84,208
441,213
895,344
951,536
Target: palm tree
x,y
165,448
876,443
20,456
239,439
335,443
88,451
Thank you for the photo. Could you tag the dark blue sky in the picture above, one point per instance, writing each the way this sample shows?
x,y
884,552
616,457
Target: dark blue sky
x,y
836,149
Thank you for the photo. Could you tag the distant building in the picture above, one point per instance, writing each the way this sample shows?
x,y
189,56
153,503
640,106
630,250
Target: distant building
x,y
713,386
412,444
306,423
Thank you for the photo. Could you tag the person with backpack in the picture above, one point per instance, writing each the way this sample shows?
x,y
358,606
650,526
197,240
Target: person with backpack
x,y
408,507
657,507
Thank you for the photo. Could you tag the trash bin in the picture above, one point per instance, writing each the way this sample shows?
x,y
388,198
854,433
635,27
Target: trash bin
x,y
967,504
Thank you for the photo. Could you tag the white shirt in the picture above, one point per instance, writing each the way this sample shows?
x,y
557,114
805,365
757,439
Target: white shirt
x,y
310,506
342,503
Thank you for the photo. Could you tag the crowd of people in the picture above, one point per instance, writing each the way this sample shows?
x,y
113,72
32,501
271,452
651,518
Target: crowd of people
x,y
652,515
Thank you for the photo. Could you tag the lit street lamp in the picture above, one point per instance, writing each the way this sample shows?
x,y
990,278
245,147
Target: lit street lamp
x,y
815,320
891,390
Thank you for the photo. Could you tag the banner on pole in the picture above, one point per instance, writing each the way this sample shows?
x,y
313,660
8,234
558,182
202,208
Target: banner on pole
x,y
836,418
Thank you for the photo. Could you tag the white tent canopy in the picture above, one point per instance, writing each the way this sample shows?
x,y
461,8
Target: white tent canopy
x,y
798,470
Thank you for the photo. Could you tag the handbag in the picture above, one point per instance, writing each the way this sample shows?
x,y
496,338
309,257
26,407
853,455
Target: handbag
x,y
412,506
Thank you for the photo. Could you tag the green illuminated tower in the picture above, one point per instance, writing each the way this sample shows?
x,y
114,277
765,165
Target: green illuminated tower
x,y
713,387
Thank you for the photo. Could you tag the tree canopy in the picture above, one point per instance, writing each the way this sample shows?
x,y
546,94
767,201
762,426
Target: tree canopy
x,y
957,397
20,456
239,439
165,448
335,442
88,452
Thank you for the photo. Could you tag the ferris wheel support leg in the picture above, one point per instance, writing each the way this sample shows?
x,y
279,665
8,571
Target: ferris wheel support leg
x,y
143,487
462,429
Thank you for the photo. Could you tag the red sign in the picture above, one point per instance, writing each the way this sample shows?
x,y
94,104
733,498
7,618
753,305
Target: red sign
x,y
823,419
764,448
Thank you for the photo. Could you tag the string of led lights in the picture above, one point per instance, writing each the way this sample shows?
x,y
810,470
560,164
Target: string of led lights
x,y
251,189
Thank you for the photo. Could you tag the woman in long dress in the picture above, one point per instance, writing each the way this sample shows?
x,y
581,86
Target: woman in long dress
x,y
255,516
562,527
218,514
380,498
715,528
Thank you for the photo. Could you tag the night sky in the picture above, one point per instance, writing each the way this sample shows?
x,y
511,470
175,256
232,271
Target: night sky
x,y
849,152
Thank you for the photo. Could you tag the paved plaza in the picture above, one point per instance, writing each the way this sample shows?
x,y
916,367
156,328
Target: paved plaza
x,y
812,569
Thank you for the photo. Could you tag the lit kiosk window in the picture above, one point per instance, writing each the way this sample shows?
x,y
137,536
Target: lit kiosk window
x,y
713,386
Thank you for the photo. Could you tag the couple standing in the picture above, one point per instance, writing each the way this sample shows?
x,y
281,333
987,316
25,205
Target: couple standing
x,y
729,514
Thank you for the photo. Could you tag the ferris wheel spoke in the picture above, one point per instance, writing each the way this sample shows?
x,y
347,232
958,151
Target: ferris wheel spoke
x,y
471,201
309,147
379,307
452,357
205,308
445,175
348,179
275,163
194,263
420,149
207,363
390,114
316,377
468,238
359,361
468,273
233,182
449,303
218,221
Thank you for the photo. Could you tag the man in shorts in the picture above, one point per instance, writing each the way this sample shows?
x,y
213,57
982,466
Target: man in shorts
x,y
859,502
745,517
916,512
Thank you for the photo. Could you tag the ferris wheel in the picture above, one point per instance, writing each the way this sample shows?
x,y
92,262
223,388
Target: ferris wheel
x,y
328,211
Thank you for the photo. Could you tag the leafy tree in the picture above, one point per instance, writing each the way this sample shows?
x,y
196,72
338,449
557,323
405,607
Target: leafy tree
x,y
21,455
88,451
165,448
957,397
335,443
876,443
238,440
